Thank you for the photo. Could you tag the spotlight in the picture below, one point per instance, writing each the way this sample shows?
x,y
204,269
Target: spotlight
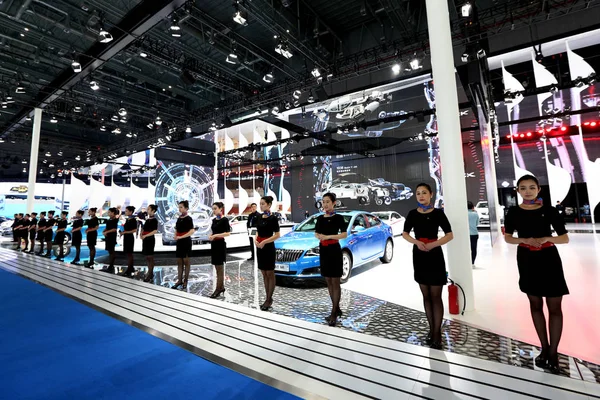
x,y
188,130
143,54
539,57
396,69
232,58
104,36
150,125
316,73
20,89
60,153
553,89
158,121
284,50
481,53
114,118
24,170
288,105
466,10
311,99
175,25
465,57
76,66
122,112
116,131
415,64
297,94
48,154
77,109
53,120
275,110
239,17
94,85
268,77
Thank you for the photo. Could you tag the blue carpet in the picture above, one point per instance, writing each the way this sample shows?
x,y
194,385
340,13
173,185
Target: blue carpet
x,y
56,348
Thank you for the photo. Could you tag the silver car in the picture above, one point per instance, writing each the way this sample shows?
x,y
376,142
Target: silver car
x,y
202,225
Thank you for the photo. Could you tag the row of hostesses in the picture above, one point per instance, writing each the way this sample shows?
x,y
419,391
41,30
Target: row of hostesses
x,y
539,263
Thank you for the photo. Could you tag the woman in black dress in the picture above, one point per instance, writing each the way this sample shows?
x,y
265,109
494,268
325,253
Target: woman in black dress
x,y
110,239
267,228
59,239
218,248
48,233
330,229
41,235
149,229
540,267
77,236
428,258
184,229
91,234
32,231
129,231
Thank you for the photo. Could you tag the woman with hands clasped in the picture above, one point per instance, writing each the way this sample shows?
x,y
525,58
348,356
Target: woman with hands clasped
x,y
267,228
428,258
184,229
540,267
330,229
218,248
149,229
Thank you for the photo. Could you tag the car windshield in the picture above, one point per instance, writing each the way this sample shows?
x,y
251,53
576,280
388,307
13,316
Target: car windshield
x,y
310,224
383,216
482,204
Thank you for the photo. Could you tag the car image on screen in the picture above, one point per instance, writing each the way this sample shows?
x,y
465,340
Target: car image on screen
x,y
297,253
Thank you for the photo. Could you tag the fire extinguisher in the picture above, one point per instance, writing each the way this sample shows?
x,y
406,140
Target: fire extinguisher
x,y
453,298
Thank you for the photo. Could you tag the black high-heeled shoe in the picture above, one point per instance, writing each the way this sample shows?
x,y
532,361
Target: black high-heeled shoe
x,y
149,278
553,365
541,361
217,293
436,345
177,285
266,305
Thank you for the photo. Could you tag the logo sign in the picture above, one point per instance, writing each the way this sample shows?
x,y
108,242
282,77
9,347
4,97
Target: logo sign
x,y
19,189
279,255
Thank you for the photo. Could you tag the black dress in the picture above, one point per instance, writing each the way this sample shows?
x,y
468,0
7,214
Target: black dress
x,y
33,223
92,237
429,266
60,236
77,236
50,222
41,234
183,247
218,247
265,228
540,271
330,255
129,238
150,225
110,239
24,232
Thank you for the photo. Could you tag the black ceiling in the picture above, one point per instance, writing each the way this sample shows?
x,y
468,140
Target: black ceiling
x,y
186,81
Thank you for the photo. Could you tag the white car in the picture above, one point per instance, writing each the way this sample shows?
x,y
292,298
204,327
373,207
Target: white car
x,y
238,223
393,219
353,191
484,213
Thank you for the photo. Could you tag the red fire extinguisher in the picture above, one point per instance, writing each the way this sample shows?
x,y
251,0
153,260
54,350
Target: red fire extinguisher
x,y
453,298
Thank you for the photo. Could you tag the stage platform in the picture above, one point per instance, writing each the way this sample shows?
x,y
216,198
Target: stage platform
x,y
306,359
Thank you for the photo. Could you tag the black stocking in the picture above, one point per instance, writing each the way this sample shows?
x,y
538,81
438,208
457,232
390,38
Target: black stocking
x,y
179,270
150,261
555,323
111,259
92,254
438,312
428,306
536,305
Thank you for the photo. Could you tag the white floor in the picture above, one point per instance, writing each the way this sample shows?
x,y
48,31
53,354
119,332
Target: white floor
x,y
500,306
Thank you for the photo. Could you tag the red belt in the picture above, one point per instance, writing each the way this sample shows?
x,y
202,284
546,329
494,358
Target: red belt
x,y
260,239
329,242
532,248
145,233
425,240
218,238
180,234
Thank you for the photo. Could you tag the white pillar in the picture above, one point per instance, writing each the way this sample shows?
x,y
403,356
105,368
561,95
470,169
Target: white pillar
x,y
451,147
33,158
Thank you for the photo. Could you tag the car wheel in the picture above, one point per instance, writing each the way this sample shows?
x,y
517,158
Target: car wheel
x,y
388,253
318,205
378,201
346,266
56,252
387,200
362,200
67,238
338,203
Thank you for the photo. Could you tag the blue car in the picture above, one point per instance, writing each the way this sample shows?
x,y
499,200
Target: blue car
x,y
297,253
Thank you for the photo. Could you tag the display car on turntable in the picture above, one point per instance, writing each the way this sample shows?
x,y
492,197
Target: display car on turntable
x,y
369,239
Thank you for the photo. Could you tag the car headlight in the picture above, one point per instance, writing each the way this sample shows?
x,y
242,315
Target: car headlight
x,y
314,252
